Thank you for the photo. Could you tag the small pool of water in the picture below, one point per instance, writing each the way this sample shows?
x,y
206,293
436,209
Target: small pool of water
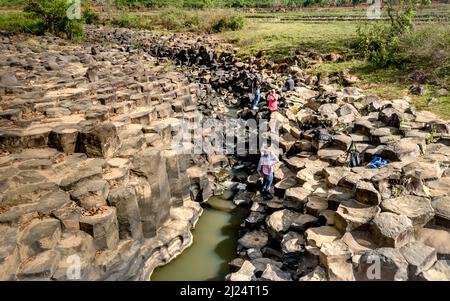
x,y
214,246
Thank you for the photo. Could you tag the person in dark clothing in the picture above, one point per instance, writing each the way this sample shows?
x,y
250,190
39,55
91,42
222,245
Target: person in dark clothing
x,y
290,84
256,90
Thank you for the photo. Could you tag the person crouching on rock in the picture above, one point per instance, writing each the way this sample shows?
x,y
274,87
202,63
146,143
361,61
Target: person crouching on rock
x,y
265,168
256,90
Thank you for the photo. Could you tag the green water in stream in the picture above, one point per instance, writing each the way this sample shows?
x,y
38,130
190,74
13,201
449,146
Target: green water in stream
x,y
215,242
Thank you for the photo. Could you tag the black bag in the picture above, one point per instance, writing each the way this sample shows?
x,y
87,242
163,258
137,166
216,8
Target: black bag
x,y
355,157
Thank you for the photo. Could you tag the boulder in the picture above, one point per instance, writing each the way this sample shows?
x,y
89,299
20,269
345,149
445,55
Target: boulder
x,y
318,274
316,205
101,224
419,256
441,208
281,221
316,237
401,151
39,236
128,213
40,267
292,242
273,273
245,273
383,264
392,230
438,239
334,252
101,141
341,271
352,214
417,209
358,242
91,194
367,194
440,271
254,239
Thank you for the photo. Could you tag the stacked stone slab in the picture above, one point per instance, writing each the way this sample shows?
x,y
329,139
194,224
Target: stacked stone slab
x,y
88,172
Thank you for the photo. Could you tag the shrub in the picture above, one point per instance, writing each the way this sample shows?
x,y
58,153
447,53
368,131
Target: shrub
x,y
89,15
427,46
376,43
129,20
228,23
54,16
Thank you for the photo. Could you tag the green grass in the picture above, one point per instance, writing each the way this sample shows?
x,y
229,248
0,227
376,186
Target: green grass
x,y
11,3
280,40
20,22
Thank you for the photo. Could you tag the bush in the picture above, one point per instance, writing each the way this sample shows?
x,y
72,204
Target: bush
x,y
376,43
53,13
427,46
228,23
89,15
129,20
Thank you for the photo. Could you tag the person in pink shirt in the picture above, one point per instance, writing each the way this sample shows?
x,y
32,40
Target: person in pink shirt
x,y
272,101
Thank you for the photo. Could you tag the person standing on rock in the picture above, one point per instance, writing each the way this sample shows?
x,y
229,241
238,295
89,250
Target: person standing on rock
x,y
256,90
272,102
265,168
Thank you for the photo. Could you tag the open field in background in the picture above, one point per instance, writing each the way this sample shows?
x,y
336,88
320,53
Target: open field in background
x,y
278,37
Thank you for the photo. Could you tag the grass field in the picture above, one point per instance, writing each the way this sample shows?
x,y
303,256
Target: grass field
x,y
280,40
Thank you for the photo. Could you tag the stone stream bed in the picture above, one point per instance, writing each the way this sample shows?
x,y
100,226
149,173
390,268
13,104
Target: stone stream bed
x,y
88,168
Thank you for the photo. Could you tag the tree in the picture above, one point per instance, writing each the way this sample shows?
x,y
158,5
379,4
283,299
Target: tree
x,y
379,42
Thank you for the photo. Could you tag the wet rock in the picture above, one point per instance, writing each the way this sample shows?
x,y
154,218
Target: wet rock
x,y
243,198
417,209
392,230
254,239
